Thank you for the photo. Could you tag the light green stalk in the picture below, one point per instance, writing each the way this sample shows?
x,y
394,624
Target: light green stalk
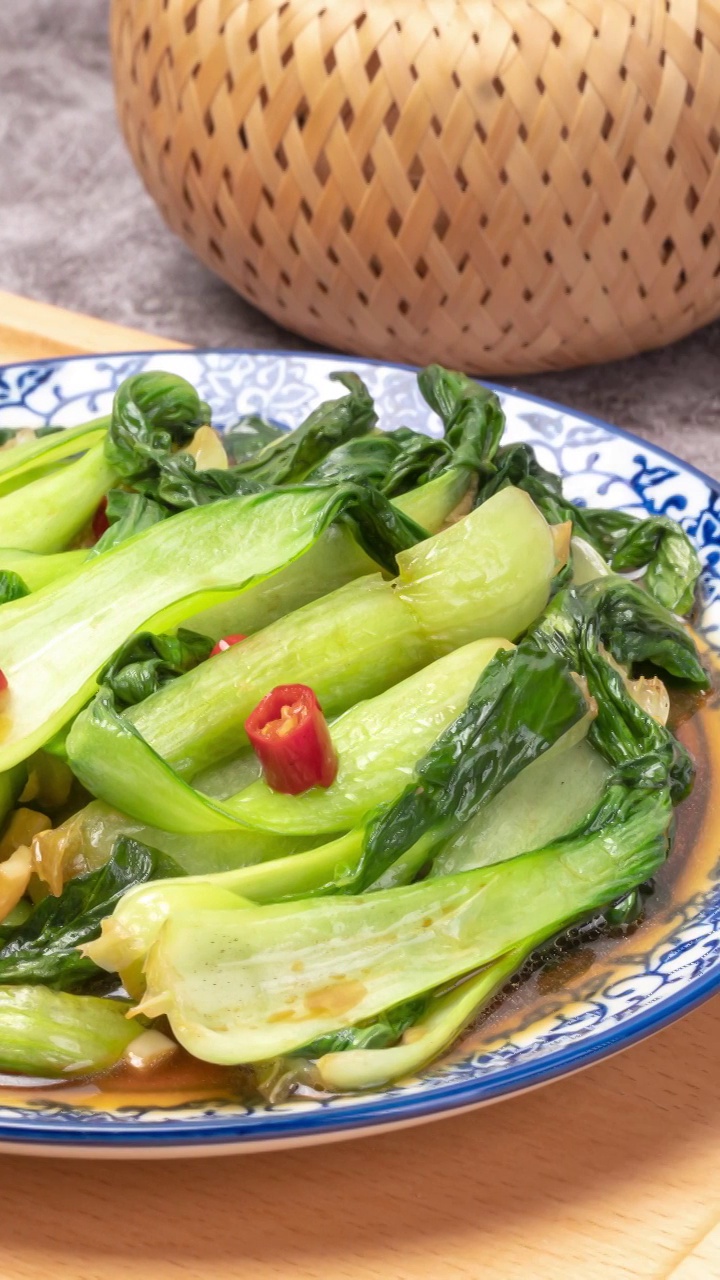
x,y
128,934
377,743
53,643
445,1019
547,800
335,560
49,1033
250,985
46,515
43,451
346,647
37,570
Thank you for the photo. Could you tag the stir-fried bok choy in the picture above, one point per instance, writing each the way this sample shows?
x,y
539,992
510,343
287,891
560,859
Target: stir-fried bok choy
x,y
368,719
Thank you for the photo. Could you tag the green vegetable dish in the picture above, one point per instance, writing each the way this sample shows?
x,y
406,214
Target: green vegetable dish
x,y
311,741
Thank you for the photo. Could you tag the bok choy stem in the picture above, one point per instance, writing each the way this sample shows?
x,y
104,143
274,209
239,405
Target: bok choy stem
x,y
344,648
46,450
234,990
50,1033
46,515
52,644
444,1019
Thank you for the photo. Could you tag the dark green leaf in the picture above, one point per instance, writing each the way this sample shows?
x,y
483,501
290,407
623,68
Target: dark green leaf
x,y
614,615
673,564
12,586
248,436
146,662
645,753
517,465
44,948
294,454
627,621
471,415
128,514
522,703
399,460
178,485
380,528
392,461
152,413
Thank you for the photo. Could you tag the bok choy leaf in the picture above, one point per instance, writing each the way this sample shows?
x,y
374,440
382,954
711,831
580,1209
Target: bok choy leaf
x,y
471,414
151,413
50,445
44,948
146,662
377,743
656,542
53,644
507,554
47,514
521,704
293,455
127,513
248,436
235,992
288,458
399,460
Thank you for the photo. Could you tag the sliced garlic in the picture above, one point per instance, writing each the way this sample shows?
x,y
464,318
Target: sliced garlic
x,y
22,828
148,1049
15,874
561,535
24,435
58,854
207,449
652,696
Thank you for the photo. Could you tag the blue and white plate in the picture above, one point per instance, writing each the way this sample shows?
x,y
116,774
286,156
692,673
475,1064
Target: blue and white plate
x,y
604,996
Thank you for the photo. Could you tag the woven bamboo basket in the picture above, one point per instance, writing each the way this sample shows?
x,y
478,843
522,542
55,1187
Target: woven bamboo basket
x,y
500,185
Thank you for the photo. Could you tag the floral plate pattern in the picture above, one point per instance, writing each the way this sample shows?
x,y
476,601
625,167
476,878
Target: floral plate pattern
x,y
658,976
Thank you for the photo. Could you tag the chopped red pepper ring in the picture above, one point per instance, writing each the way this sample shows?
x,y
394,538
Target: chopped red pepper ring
x,y
226,642
3,682
290,737
100,521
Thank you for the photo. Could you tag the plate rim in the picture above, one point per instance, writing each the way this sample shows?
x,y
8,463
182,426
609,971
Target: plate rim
x,y
289,353
262,1130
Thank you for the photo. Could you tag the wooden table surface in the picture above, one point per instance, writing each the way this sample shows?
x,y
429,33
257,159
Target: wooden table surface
x,y
612,1173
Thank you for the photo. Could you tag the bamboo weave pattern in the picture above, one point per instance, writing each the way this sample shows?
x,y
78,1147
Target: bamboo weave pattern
x,y
501,185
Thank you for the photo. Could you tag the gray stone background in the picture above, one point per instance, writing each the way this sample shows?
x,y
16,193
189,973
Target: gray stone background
x,y
78,229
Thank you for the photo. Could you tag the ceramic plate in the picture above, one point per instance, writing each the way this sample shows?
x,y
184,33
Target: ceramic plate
x,y
604,995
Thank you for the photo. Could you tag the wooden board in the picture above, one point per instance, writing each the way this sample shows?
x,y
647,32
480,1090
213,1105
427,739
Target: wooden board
x,y
612,1173
33,330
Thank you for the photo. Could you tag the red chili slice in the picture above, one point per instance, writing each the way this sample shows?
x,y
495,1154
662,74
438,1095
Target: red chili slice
x,y
3,682
100,521
290,737
226,642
